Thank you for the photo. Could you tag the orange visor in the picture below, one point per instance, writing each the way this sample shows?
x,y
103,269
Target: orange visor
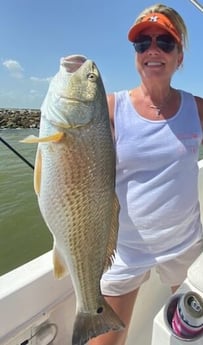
x,y
150,20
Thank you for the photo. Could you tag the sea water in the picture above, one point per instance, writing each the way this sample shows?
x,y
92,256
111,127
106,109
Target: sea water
x,y
23,233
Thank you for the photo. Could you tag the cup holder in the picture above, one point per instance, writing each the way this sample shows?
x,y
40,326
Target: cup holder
x,y
169,312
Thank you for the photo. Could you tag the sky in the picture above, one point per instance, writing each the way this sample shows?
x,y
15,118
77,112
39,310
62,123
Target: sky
x,y
35,34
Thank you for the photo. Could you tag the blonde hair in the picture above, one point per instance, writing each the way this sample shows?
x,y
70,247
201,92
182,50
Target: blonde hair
x,y
172,15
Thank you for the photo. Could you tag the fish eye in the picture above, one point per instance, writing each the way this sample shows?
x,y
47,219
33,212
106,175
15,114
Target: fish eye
x,y
92,76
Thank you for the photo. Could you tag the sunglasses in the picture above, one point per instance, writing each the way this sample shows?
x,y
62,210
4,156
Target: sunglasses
x,y
164,42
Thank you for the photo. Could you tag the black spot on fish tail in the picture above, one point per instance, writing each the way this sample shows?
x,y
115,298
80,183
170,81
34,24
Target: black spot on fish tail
x,y
88,325
99,310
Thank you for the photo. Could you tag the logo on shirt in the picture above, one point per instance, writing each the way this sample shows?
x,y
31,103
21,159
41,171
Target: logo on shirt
x,y
189,141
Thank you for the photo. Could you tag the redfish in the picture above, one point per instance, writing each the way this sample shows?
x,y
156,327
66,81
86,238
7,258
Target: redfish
x,y
74,180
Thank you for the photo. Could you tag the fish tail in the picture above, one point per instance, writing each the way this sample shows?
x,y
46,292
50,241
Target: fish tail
x,y
88,325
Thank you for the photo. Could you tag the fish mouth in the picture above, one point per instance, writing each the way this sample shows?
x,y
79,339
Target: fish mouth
x,y
73,62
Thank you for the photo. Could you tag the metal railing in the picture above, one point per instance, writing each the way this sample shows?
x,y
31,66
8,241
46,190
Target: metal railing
x,y
197,4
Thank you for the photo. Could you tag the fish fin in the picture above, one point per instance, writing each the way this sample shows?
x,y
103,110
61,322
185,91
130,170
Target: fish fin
x,y
38,172
88,325
60,270
32,139
111,248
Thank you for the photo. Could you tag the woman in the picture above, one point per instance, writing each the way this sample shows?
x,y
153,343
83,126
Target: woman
x,y
158,133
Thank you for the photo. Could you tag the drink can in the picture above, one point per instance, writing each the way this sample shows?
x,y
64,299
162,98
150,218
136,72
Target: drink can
x,y
187,321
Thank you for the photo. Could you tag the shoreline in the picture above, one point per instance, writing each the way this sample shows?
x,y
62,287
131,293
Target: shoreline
x,y
19,118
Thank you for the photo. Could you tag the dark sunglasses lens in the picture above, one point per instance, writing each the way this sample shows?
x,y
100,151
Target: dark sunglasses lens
x,y
165,43
142,44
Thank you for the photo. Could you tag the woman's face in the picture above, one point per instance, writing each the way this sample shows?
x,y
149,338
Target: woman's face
x,y
155,64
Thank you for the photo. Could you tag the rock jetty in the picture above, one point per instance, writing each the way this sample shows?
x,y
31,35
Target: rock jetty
x,y
19,118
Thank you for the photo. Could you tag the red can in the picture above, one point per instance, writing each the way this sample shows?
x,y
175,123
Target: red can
x,y
187,321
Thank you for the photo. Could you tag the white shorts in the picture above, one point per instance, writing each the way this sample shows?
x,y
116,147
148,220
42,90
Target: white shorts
x,y
172,273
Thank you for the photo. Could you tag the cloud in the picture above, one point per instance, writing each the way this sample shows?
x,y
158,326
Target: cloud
x,y
14,68
47,80
22,91
25,99
33,92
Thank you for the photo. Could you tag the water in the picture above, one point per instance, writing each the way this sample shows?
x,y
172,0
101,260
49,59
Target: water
x,y
23,234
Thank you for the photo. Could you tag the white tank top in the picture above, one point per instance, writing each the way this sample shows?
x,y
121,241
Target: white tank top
x,y
157,182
